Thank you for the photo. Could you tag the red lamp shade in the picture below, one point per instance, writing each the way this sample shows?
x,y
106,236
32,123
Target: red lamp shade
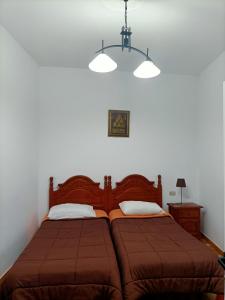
x,y
181,182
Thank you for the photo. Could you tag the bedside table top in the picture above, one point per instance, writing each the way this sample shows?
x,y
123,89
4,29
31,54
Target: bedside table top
x,y
184,205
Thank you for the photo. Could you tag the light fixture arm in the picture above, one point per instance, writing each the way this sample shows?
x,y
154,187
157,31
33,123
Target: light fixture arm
x,y
129,47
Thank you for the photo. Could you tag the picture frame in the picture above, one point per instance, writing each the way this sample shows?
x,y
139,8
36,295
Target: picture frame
x,y
118,123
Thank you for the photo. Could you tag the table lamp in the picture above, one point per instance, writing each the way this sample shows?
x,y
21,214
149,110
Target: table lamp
x,y
181,183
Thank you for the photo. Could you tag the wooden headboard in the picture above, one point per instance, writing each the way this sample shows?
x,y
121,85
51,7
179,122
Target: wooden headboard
x,y
79,189
134,187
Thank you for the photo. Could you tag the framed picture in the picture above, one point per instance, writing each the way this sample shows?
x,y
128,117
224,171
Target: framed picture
x,y
118,123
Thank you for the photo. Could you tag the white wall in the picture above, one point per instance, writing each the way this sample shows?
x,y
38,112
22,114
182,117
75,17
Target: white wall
x,y
164,137
210,149
18,148
73,128
224,153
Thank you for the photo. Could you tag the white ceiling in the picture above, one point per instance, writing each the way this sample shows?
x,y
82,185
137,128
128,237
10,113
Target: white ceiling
x,y
183,36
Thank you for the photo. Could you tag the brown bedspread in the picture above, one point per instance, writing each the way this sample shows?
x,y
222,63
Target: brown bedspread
x,y
157,256
66,260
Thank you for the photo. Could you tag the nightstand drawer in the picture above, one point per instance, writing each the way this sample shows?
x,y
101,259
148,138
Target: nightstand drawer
x,y
191,225
189,213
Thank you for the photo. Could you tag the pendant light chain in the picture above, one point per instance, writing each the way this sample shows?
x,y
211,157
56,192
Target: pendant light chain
x,y
125,13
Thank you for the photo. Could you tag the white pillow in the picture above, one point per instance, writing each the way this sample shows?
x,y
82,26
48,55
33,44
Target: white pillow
x,y
71,211
139,208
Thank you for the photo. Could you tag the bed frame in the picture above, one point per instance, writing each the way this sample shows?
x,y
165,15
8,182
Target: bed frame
x,y
83,190
79,189
134,187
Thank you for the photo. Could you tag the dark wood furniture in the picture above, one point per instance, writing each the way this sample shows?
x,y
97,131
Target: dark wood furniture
x,y
79,189
134,187
188,215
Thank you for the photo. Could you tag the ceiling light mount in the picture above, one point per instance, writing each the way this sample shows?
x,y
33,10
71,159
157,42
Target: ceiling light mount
x,y
146,70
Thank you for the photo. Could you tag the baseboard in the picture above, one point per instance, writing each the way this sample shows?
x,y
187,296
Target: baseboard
x,y
213,245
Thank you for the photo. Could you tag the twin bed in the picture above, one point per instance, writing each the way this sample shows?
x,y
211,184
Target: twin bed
x,y
116,257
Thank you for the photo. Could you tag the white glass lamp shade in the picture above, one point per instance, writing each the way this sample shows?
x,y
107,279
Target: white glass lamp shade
x,y
102,63
147,69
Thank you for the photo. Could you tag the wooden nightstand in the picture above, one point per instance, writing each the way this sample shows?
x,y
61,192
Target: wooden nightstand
x,y
188,216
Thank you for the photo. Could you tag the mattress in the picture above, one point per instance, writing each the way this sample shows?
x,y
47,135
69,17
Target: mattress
x,y
157,257
66,259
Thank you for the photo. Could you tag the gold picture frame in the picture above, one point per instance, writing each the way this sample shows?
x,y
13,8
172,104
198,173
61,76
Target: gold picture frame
x,y
118,123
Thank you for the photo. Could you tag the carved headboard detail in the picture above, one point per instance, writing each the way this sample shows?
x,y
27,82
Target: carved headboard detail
x,y
83,190
79,189
134,187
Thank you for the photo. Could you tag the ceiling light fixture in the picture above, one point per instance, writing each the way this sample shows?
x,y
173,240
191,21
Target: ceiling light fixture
x,y
102,63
